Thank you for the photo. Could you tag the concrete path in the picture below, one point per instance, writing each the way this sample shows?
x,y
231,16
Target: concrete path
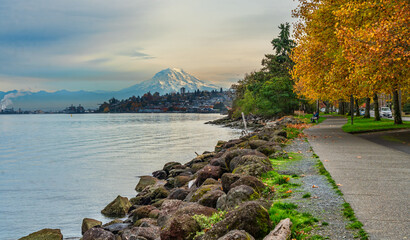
x,y
374,179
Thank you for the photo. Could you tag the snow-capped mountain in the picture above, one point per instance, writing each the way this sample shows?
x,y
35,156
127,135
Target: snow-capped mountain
x,y
171,80
166,81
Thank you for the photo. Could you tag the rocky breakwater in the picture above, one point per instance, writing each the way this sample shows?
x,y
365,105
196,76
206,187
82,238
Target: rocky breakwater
x,y
217,195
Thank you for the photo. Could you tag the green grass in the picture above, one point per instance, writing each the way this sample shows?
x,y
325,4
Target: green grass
x,y
281,183
369,125
302,223
306,195
206,223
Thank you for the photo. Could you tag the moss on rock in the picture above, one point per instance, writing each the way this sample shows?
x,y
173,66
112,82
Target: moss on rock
x,y
44,234
117,208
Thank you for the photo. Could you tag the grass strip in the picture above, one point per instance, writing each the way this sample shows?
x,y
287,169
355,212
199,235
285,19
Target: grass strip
x,y
361,125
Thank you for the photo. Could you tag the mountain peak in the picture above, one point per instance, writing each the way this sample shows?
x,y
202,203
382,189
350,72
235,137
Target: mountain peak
x,y
172,80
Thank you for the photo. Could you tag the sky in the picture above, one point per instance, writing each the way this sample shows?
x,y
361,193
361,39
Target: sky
x,y
110,45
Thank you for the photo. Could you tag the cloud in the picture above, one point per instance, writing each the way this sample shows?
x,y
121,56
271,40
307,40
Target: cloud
x,y
93,41
138,54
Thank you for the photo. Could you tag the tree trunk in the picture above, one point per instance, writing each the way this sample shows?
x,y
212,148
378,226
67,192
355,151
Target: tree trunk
x,y
367,112
376,107
327,107
396,105
341,111
351,109
357,107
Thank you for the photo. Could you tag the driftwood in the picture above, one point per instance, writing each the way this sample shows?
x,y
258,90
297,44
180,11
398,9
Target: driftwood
x,y
281,231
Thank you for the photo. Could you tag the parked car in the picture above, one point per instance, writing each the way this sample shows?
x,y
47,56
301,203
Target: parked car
x,y
386,112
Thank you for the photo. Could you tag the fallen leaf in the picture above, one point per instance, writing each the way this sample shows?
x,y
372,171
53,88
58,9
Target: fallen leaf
x,y
315,197
314,186
359,156
288,191
339,184
326,160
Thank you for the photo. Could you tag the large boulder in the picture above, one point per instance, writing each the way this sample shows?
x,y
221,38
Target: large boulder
x,y
195,195
160,174
178,193
148,233
117,208
251,217
253,169
180,172
150,195
171,165
89,223
236,196
229,155
174,208
227,180
237,235
198,166
250,159
181,180
269,148
208,171
180,227
144,182
254,144
210,198
250,181
44,234
98,234
142,212
168,208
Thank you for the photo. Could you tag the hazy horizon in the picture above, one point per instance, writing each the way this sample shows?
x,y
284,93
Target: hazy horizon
x,y
102,45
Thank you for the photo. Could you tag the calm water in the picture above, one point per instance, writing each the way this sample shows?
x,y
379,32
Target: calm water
x,y
56,169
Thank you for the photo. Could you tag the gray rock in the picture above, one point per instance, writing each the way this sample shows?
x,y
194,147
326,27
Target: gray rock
x,y
250,181
249,216
98,234
144,182
117,208
89,223
227,180
178,193
149,233
236,196
237,235
210,198
160,174
47,233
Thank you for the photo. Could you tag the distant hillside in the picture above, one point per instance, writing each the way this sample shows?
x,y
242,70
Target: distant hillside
x,y
166,81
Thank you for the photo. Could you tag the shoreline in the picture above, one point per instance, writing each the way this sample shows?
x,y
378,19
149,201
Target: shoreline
x,y
223,184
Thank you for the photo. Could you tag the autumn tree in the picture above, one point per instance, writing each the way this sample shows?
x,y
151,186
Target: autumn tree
x,y
375,36
352,48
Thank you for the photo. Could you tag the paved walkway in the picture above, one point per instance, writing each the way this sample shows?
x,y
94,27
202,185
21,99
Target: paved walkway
x,y
375,179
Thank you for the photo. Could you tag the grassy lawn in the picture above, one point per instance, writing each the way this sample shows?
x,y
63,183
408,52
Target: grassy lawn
x,y
368,124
